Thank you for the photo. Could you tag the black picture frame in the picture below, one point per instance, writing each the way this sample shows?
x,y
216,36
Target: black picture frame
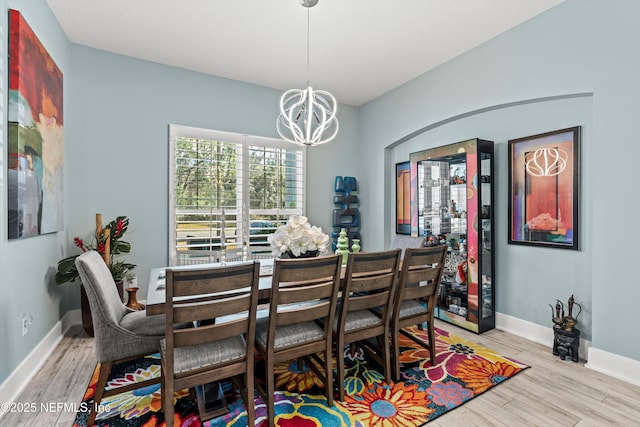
x,y
403,198
544,177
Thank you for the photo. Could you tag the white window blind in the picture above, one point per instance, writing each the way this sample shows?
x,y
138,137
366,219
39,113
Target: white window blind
x,y
228,189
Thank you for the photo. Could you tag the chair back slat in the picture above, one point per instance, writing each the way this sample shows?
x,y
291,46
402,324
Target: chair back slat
x,y
379,280
209,280
420,292
202,334
194,311
303,312
304,270
423,259
425,273
364,302
291,294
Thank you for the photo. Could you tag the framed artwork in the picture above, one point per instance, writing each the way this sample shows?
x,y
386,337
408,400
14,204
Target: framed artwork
x,y
403,198
35,124
543,189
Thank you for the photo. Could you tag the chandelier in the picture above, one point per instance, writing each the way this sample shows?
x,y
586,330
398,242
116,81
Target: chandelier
x,y
546,162
307,116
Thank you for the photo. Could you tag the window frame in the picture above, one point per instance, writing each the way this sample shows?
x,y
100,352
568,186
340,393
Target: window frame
x,y
243,141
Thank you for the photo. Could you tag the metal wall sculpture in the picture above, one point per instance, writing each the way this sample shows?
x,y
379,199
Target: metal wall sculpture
x,y
346,215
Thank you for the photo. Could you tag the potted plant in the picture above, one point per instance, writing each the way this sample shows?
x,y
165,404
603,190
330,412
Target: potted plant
x,y
108,243
297,238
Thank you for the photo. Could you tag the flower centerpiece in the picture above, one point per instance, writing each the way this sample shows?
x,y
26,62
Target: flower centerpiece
x,y
108,243
297,237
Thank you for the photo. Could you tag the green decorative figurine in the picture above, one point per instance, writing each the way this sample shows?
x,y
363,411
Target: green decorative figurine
x,y
342,247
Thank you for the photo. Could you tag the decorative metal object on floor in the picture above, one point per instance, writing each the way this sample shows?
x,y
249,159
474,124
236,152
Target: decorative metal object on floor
x,y
566,338
566,343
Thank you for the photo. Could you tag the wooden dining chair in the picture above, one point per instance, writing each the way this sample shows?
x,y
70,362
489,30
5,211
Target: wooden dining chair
x,y
303,291
209,352
364,309
416,297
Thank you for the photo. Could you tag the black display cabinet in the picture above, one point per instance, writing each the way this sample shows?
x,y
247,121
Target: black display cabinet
x,y
453,205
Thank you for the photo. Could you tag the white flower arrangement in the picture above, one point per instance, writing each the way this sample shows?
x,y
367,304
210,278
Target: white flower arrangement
x,y
298,237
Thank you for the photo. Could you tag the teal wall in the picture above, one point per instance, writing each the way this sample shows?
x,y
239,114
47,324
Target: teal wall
x,y
119,112
576,64
26,266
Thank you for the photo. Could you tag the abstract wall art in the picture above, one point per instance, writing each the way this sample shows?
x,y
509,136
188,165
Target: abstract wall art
x,y
35,125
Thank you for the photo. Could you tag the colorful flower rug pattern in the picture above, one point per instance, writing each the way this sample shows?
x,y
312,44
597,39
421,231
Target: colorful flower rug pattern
x,y
463,371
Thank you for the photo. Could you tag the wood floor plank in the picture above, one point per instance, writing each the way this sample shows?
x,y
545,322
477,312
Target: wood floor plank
x,y
552,392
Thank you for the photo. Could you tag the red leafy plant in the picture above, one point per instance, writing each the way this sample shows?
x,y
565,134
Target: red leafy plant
x,y
108,244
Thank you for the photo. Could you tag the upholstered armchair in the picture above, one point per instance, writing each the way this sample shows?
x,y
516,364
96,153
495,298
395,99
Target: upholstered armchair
x,y
400,241
120,333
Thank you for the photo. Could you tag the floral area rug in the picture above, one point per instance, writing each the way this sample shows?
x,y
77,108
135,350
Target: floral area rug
x,y
463,371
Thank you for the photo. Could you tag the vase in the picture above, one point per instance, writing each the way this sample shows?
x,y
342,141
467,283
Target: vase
x,y
308,254
343,246
132,302
355,247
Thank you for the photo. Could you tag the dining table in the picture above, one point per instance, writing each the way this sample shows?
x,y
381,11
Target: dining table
x,y
156,294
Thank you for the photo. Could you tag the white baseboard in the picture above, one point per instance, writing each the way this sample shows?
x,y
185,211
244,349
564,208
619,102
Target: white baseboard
x,y
611,364
614,365
20,377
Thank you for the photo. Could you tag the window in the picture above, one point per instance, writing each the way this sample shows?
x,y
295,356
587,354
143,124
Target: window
x,y
229,189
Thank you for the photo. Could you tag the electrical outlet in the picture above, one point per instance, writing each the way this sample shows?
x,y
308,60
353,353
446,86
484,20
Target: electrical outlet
x,y
25,326
27,320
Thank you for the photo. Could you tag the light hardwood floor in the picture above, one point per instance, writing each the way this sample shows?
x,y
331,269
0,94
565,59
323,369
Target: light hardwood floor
x,y
551,393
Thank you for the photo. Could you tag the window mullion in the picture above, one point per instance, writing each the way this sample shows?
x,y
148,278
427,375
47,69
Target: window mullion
x,y
244,192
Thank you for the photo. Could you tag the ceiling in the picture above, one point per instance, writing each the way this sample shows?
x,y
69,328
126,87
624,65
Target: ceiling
x,y
359,49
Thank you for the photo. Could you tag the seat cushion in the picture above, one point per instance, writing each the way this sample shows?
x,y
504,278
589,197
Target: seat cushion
x,y
201,356
361,319
411,308
289,335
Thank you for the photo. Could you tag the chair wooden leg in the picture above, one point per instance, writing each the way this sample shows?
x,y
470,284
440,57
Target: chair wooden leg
x,y
396,355
340,366
271,390
328,374
167,400
105,370
249,402
386,357
432,343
